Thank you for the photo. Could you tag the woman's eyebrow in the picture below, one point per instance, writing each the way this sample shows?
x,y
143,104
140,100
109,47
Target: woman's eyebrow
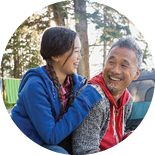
x,y
111,57
76,47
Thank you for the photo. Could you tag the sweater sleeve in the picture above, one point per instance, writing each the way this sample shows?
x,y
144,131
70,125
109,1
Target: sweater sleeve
x,y
86,138
36,102
128,110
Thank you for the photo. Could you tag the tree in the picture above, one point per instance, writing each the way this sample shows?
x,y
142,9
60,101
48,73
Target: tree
x,y
60,13
110,23
4,67
146,52
14,46
23,45
81,28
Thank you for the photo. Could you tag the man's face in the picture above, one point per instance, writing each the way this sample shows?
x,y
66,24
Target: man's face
x,y
120,69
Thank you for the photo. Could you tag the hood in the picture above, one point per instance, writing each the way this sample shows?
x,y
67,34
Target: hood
x,y
38,71
98,79
51,89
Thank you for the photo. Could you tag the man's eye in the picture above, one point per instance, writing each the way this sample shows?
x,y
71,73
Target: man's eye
x,y
124,66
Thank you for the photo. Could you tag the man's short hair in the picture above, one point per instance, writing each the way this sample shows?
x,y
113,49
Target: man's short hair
x,y
130,43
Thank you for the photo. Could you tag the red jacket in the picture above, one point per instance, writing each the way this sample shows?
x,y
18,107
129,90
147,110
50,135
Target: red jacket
x,y
115,131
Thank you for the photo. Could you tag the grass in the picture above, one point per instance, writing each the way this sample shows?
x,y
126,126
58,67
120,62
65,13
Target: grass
x,y
8,105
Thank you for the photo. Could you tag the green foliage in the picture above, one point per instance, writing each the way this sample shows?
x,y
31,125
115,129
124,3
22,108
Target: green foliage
x,y
146,52
111,23
60,12
23,48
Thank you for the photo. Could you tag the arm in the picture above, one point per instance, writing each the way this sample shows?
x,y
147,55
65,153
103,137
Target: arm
x,y
38,108
86,138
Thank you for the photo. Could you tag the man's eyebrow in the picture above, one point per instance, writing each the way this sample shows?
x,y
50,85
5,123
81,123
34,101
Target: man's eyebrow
x,y
127,62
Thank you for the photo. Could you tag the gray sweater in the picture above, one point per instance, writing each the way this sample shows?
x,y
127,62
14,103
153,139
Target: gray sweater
x,y
87,137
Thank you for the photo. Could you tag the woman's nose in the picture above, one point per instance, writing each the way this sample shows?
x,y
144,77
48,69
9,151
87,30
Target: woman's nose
x,y
79,56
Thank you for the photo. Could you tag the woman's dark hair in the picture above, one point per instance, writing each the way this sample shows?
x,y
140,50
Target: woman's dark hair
x,y
57,41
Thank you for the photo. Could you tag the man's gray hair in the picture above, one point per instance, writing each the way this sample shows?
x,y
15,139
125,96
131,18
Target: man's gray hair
x,y
130,43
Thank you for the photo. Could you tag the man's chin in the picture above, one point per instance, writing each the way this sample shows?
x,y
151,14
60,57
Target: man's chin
x,y
112,88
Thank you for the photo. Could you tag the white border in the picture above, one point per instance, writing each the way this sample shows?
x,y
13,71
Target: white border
x,y
14,12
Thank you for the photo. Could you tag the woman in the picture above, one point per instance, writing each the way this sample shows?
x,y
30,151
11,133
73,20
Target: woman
x,y
45,110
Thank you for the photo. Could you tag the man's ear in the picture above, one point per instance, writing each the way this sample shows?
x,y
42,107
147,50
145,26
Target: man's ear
x,y
137,74
54,58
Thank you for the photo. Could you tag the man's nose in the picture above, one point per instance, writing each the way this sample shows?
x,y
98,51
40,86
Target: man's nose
x,y
116,69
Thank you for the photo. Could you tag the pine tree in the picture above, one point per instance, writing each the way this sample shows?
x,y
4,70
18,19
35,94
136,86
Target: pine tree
x,y
146,52
110,23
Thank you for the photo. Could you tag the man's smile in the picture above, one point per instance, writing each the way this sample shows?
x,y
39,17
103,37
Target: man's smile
x,y
114,78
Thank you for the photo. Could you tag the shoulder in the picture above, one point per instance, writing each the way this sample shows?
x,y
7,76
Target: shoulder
x,y
34,82
103,103
98,88
34,85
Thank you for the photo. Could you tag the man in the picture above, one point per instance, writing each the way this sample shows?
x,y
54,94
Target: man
x,y
104,127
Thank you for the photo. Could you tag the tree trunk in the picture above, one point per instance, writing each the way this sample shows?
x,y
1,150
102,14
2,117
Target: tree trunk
x,y
16,66
104,52
58,19
81,28
104,42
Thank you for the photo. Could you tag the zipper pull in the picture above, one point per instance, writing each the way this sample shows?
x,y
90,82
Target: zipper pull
x,y
116,112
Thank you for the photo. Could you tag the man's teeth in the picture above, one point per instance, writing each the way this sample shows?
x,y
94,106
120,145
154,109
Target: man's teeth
x,y
113,78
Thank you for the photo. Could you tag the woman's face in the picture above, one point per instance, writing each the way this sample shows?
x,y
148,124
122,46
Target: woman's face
x,y
72,62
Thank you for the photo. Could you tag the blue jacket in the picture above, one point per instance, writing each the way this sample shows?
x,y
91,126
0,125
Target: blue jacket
x,y
38,105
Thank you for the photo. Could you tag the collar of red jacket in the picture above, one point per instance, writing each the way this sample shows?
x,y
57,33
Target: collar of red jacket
x,y
98,79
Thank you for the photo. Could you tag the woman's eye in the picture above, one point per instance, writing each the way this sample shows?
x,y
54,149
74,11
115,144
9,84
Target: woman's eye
x,y
111,62
76,50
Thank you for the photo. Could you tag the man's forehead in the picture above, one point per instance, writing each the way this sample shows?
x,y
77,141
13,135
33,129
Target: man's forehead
x,y
127,61
125,54
121,52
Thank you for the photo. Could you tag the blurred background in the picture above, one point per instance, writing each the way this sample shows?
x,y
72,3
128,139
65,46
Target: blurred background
x,y
98,26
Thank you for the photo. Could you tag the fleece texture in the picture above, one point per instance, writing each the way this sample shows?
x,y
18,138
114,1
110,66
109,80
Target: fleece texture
x,y
87,138
38,106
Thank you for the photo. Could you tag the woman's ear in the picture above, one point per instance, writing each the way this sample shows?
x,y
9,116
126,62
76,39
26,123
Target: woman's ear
x,y
137,74
54,58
